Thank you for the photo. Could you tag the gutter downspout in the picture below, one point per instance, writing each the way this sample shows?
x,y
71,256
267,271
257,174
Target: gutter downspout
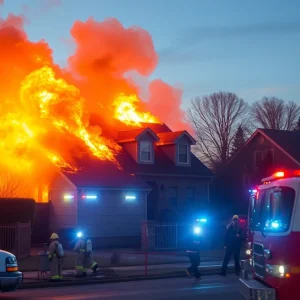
x,y
208,189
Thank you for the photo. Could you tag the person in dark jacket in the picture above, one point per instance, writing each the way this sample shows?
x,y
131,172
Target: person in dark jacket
x,y
232,246
193,251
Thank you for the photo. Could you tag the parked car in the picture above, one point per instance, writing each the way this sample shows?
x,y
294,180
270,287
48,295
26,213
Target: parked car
x,y
10,277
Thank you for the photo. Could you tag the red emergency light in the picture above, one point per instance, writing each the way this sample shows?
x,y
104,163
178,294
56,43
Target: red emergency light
x,y
280,175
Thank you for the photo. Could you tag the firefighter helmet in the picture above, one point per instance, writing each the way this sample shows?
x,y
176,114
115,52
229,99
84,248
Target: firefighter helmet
x,y
235,217
54,236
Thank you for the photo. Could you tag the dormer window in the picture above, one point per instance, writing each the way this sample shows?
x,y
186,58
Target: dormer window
x,y
139,143
183,154
146,151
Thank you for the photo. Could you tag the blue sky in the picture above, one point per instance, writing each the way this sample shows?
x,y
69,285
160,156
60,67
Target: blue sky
x,y
251,48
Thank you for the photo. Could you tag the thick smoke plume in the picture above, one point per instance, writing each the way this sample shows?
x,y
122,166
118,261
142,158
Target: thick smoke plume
x,y
50,115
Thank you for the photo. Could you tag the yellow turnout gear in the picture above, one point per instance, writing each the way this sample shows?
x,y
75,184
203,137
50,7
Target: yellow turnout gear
x,y
55,262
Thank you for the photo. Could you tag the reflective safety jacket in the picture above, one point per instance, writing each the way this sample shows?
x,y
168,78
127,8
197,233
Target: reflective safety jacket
x,y
83,245
80,246
53,249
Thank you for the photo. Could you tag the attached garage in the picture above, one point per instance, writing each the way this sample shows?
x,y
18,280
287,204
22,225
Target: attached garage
x,y
108,204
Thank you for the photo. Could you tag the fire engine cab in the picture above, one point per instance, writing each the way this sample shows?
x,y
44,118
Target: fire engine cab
x,y
273,269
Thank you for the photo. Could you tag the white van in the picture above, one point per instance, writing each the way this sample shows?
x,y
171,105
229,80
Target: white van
x,y
10,277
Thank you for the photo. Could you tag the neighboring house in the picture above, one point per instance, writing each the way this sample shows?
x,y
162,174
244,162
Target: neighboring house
x,y
266,152
159,174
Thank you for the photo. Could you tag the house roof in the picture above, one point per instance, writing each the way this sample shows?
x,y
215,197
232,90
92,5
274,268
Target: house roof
x,y
165,166
157,128
104,174
166,138
287,141
134,134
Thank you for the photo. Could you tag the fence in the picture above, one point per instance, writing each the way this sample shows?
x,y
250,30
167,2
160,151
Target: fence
x,y
170,236
173,236
16,238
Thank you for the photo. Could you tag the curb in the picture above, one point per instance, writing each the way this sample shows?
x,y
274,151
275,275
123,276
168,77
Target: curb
x,y
90,281
132,264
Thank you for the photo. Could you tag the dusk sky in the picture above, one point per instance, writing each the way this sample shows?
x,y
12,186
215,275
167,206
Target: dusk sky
x,y
251,48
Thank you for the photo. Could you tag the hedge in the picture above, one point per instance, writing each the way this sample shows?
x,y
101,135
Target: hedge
x,y
17,210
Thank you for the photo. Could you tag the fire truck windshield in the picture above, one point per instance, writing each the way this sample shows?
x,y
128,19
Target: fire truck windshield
x,y
272,210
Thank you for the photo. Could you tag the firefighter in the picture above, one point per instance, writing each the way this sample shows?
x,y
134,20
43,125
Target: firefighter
x,y
193,252
88,261
84,260
55,257
80,249
232,246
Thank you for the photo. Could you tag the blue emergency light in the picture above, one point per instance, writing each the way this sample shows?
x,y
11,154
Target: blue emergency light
x,y
79,234
197,230
254,191
275,225
202,220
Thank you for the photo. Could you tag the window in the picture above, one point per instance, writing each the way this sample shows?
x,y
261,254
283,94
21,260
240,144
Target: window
x,y
183,154
172,195
257,159
145,151
268,157
272,211
190,193
190,197
263,158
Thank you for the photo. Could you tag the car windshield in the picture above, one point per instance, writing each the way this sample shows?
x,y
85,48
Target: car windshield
x,y
272,209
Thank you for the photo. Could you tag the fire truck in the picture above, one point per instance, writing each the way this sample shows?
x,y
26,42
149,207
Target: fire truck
x,y
273,269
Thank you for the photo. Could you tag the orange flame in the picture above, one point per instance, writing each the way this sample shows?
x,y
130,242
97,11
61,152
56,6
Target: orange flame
x,y
49,116
126,111
59,103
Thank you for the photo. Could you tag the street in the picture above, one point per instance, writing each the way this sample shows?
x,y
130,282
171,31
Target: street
x,y
210,288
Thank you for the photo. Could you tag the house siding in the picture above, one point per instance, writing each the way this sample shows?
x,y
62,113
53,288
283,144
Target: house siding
x,y
111,220
183,207
243,173
63,214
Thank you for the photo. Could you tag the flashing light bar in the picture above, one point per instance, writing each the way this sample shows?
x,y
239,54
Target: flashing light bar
x,y
130,197
281,174
203,220
68,197
275,225
253,191
89,197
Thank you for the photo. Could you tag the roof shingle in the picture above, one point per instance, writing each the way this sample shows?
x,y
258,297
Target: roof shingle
x,y
130,134
167,137
105,174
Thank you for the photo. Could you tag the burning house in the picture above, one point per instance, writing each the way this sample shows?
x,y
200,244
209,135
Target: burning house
x,y
80,139
157,174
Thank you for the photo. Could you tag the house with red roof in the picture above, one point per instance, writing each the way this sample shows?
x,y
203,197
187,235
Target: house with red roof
x,y
159,177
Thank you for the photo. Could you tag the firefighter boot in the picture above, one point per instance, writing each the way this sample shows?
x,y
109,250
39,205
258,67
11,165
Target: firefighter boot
x,y
95,268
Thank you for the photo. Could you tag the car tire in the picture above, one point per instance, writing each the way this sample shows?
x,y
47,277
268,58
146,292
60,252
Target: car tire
x,y
7,289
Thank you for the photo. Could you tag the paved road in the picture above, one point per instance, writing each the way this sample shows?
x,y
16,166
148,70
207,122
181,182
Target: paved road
x,y
210,288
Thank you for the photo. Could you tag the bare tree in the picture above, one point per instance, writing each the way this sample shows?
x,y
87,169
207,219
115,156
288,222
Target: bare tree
x,y
274,113
11,185
215,119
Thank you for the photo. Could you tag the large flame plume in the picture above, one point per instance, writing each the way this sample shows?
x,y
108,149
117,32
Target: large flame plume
x,y
45,110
